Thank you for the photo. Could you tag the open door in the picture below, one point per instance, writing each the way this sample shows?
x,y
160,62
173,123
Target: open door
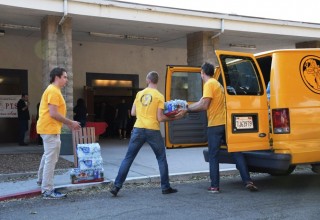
x,y
247,125
185,83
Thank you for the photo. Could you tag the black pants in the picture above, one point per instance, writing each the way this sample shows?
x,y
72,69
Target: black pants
x,y
23,128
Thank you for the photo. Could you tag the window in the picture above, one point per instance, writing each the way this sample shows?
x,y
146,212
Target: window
x,y
242,77
186,86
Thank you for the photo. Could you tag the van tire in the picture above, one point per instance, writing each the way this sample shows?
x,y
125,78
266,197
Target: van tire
x,y
282,172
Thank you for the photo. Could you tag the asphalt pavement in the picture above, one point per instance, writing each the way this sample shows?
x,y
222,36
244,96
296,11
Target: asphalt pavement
x,y
183,163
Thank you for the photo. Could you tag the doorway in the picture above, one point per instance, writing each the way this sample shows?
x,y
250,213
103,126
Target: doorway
x,y
12,82
104,91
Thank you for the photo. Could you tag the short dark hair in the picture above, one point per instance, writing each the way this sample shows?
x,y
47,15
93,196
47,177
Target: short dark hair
x,y
153,76
208,68
57,71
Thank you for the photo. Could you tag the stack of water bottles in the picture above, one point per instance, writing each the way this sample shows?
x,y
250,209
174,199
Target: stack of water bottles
x,y
90,164
172,107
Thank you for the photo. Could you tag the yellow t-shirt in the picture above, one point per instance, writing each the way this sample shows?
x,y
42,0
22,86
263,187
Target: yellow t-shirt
x,y
216,112
46,124
147,103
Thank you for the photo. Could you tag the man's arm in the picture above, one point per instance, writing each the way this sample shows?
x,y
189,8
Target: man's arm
x,y
53,110
133,110
162,117
202,105
22,106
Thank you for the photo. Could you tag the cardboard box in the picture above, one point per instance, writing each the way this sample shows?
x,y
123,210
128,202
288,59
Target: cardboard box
x,y
172,107
86,176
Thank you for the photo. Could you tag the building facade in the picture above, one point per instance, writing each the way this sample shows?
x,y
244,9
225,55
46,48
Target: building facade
x,y
108,47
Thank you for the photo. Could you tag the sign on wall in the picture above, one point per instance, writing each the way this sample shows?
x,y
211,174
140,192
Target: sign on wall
x,y
8,106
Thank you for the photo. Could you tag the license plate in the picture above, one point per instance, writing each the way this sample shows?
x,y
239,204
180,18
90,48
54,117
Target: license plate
x,y
244,123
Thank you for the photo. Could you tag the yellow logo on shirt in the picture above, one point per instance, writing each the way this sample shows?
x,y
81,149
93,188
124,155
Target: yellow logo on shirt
x,y
146,99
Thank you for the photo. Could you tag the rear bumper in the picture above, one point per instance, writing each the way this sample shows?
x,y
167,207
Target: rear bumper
x,y
260,161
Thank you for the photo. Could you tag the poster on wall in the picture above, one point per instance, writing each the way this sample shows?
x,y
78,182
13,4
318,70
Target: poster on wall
x,y
8,106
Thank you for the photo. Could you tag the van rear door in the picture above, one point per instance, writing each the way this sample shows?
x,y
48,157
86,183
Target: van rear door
x,y
185,83
247,125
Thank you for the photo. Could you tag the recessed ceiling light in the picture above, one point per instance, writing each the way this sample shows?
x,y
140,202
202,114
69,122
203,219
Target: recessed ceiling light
x,y
245,46
122,36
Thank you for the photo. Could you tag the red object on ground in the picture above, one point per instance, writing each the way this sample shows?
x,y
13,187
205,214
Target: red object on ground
x,y
33,131
99,127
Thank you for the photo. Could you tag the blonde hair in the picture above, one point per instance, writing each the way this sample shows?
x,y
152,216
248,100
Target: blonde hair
x,y
153,76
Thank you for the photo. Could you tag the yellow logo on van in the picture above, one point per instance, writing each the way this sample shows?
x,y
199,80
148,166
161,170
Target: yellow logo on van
x,y
310,72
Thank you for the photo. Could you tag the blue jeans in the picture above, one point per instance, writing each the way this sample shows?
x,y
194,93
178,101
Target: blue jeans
x,y
140,136
215,136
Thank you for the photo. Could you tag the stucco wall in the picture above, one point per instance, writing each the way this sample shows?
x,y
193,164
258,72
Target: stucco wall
x,y
122,59
21,53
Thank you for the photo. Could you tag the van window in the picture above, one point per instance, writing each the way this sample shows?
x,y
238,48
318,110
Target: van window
x,y
186,86
242,77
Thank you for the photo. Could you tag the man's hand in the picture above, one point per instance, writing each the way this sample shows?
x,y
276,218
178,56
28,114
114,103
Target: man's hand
x,y
181,113
74,125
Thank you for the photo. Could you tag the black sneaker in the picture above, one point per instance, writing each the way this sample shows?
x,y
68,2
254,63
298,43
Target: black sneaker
x,y
169,191
114,190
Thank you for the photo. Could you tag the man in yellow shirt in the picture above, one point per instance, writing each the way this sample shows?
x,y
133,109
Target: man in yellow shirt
x,y
213,101
148,107
52,115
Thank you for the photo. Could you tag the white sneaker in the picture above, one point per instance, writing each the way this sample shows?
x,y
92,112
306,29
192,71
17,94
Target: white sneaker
x,y
53,195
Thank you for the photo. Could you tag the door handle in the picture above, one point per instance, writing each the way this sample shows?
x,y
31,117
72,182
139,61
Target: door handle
x,y
262,135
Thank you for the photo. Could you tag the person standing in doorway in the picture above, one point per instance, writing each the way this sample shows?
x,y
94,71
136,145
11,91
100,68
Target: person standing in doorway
x,y
148,107
213,101
121,117
80,112
23,118
52,115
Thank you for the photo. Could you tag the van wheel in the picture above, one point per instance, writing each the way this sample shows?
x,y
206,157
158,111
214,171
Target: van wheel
x,y
282,172
316,168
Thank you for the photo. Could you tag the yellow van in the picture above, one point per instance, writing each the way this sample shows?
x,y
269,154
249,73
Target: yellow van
x,y
276,130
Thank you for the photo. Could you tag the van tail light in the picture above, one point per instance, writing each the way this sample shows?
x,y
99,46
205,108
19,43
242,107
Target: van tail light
x,y
281,121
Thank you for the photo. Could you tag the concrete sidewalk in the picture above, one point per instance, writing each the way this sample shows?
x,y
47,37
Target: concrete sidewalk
x,y
182,162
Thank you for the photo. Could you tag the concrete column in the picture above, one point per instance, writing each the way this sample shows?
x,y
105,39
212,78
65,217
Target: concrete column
x,y
200,48
57,51
308,44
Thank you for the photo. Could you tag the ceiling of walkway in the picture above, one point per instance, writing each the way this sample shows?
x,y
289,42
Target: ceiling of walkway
x,y
168,35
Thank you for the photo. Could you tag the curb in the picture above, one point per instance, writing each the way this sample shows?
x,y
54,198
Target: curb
x,y
21,195
139,180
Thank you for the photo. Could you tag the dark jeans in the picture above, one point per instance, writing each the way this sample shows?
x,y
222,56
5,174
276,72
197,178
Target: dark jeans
x,y
23,127
138,137
216,135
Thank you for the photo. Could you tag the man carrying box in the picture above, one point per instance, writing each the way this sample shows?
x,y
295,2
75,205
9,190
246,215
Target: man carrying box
x,y
148,107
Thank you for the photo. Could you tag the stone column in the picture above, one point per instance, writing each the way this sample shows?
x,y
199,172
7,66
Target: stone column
x,y
200,48
57,51
308,44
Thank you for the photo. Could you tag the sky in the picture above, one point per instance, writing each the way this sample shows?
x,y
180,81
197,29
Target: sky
x,y
292,10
